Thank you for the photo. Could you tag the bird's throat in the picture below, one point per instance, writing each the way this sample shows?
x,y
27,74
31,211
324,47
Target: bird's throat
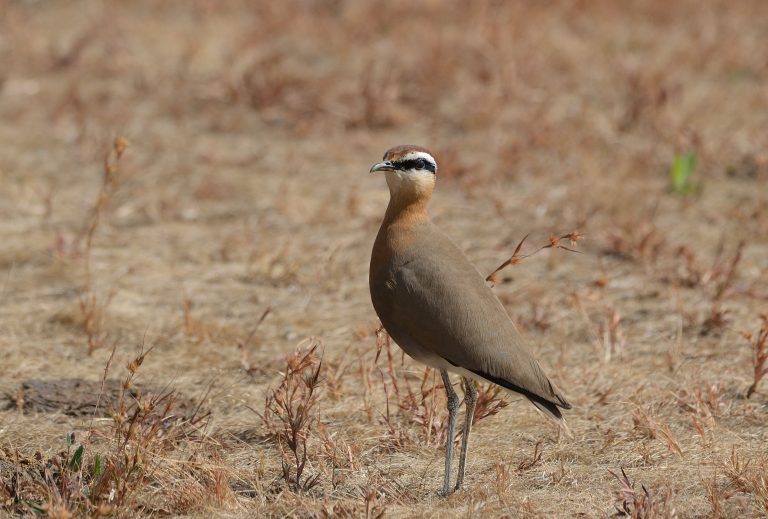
x,y
408,198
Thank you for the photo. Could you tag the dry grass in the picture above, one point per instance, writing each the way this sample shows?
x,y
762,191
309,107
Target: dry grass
x,y
235,230
759,344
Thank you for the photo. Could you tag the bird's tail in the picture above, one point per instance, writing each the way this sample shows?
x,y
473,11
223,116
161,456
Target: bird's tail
x,y
552,412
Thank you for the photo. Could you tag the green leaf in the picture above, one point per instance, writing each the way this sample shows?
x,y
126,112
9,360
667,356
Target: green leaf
x,y
681,172
38,509
77,459
97,467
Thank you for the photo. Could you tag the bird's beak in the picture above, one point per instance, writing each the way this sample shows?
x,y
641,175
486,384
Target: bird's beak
x,y
382,166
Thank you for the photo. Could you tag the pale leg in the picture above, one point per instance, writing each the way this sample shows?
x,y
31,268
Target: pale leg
x,y
470,399
453,406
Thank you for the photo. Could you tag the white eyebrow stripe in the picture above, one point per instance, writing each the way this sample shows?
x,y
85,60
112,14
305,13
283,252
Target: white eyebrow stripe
x,y
419,155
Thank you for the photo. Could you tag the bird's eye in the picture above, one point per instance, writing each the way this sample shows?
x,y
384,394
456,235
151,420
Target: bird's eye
x,y
420,164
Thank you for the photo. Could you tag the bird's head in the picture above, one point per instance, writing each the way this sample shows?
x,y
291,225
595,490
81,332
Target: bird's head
x,y
410,171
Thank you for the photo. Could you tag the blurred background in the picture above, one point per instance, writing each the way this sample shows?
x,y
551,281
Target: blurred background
x,y
194,175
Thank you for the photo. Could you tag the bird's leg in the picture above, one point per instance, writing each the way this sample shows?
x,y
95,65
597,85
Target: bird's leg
x,y
453,407
470,399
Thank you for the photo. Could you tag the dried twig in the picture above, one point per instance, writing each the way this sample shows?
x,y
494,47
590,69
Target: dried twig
x,y
92,307
759,345
554,243
288,416
640,504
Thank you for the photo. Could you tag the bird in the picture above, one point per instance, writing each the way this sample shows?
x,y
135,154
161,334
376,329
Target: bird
x,y
439,309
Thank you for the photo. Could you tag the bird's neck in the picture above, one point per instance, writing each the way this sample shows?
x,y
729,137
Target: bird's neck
x,y
406,208
408,198
398,231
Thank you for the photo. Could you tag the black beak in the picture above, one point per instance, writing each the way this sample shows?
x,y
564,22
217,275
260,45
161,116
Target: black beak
x,y
382,166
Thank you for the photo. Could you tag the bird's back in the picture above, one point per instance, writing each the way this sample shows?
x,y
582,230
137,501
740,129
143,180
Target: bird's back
x,y
435,304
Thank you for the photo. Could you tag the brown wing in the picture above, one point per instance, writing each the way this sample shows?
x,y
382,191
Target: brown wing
x,y
440,300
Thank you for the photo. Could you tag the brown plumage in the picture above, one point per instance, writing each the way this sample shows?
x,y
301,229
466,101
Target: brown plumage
x,y
437,306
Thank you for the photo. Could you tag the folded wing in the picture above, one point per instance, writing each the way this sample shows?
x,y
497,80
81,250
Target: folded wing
x,y
442,302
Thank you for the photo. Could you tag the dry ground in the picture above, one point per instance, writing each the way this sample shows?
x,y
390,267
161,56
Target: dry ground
x,y
244,190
